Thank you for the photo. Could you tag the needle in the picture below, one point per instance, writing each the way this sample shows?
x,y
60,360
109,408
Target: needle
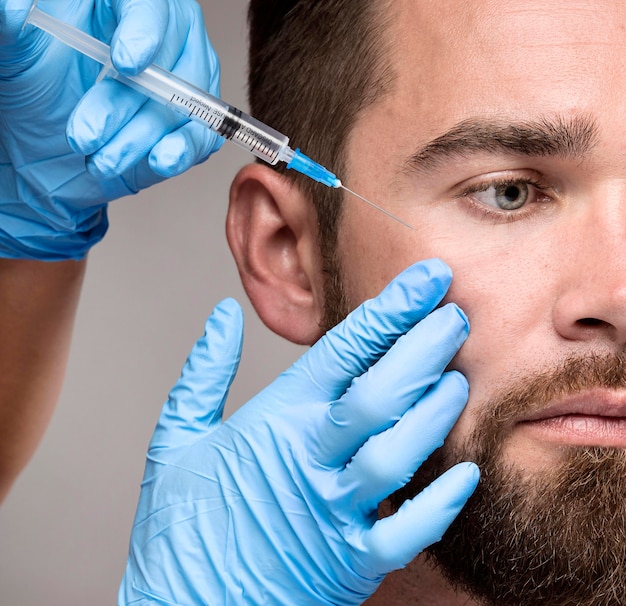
x,y
382,210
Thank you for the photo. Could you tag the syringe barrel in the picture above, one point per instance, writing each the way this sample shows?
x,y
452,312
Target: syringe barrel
x,y
167,88
228,121
247,132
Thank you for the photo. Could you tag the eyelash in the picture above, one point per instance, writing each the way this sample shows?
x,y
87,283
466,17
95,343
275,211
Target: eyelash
x,y
535,185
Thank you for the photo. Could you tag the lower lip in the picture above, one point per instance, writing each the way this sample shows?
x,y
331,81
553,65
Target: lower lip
x,y
581,430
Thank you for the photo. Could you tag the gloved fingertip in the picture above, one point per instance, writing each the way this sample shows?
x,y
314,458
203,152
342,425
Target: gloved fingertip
x,y
171,157
460,379
129,61
456,316
471,472
98,170
179,151
228,320
139,35
423,520
216,71
462,315
80,136
223,332
227,311
417,290
437,273
461,481
436,268
133,48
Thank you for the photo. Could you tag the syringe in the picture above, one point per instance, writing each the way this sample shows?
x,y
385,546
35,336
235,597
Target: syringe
x,y
231,123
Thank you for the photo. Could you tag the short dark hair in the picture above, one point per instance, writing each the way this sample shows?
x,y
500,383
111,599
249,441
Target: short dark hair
x,y
313,66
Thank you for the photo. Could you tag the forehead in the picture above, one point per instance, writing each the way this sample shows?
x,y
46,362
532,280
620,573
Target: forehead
x,y
503,60
477,56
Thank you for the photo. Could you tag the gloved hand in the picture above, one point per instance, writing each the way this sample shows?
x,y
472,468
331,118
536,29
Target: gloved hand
x,y
278,505
57,177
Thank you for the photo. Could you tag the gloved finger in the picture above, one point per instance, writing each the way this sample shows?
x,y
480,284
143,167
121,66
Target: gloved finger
x,y
187,146
173,154
134,141
381,396
170,31
140,33
136,29
116,127
352,346
104,109
387,461
394,541
195,404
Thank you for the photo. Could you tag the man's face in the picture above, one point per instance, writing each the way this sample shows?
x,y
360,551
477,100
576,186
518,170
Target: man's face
x,y
542,282
504,144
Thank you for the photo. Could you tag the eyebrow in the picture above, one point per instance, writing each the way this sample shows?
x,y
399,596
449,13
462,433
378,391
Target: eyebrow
x,y
557,137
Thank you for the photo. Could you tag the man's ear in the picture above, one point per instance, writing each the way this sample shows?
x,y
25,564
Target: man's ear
x,y
272,232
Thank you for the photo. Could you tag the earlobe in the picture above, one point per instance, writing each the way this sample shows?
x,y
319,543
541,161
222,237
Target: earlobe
x,y
272,232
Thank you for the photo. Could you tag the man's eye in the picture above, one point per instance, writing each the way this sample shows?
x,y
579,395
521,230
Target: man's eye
x,y
504,196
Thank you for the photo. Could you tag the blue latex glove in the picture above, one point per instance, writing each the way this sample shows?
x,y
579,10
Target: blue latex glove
x,y
278,505
56,177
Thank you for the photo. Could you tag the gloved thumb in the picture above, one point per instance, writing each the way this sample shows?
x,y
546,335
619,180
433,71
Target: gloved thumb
x,y
196,403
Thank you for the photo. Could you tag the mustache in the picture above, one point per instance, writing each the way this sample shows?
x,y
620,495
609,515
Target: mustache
x,y
526,394
532,393
552,536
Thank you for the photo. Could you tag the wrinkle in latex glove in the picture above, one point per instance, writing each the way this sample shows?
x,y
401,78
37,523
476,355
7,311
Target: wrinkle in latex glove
x,y
277,505
101,143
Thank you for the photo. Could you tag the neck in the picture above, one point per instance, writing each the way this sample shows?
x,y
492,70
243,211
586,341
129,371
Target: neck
x,y
419,584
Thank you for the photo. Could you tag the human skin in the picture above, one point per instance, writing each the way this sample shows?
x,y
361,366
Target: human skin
x,y
538,285
38,304
538,289
541,283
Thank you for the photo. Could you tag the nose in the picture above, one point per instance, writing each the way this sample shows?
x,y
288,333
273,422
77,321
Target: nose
x,y
591,300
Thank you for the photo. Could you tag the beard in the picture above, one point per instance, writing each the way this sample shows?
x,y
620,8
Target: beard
x,y
553,537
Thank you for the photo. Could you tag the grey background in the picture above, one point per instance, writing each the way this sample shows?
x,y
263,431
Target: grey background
x,y
150,285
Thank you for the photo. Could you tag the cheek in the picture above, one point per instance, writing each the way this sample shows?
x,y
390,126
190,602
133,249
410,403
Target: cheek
x,y
372,253
505,290
508,300
495,283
